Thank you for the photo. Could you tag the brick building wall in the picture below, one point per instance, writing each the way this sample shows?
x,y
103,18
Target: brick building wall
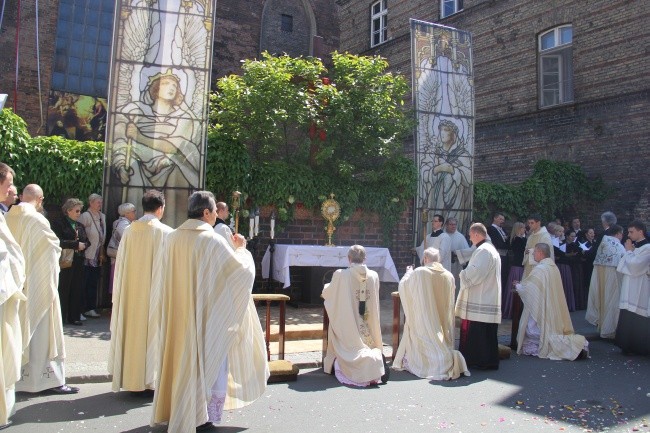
x,y
605,129
28,104
238,30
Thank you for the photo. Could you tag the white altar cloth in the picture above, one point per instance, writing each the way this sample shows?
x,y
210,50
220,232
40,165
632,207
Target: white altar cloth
x,y
377,259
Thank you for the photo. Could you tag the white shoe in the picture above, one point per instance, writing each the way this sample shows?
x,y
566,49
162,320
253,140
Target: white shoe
x,y
82,317
92,313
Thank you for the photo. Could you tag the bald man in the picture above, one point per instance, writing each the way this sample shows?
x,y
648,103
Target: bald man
x,y
42,366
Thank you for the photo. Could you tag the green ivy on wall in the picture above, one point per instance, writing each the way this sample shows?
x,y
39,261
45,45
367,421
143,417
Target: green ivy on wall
x,y
554,189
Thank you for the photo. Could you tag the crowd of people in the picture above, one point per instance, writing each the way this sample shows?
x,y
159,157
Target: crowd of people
x,y
536,276
200,350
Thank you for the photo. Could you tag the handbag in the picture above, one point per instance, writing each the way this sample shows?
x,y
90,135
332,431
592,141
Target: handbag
x,y
67,256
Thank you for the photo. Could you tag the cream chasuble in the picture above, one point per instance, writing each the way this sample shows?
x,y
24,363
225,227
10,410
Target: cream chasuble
x,y
544,301
137,305
605,287
40,315
12,277
635,288
541,237
354,341
207,315
427,297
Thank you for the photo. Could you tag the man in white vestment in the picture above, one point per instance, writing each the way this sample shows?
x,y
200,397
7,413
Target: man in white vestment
x,y
605,285
213,354
439,240
457,242
12,277
43,356
538,234
479,303
221,227
545,329
633,331
354,344
427,345
137,300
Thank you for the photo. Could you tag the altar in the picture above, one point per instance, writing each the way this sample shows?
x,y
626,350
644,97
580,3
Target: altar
x,y
315,256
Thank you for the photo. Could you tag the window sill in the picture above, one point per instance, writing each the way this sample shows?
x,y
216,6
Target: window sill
x,y
558,105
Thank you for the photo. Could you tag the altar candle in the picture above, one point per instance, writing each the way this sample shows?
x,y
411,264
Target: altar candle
x,y
272,226
251,224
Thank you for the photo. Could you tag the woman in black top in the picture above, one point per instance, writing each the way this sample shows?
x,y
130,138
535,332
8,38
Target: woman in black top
x,y
517,248
71,236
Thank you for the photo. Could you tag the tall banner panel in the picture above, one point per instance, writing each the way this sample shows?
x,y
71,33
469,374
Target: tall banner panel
x,y
158,103
443,94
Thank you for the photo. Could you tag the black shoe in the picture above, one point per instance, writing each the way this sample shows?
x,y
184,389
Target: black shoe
x,y
386,375
64,389
205,427
76,323
582,355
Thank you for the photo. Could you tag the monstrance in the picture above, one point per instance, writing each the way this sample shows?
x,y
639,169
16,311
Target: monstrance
x,y
331,211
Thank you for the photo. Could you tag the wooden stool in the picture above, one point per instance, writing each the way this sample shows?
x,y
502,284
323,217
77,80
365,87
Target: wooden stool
x,y
326,326
396,322
282,299
281,370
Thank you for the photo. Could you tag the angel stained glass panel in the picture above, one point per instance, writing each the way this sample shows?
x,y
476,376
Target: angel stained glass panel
x,y
443,89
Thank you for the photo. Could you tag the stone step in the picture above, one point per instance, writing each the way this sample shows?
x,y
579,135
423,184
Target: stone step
x,y
298,346
314,331
307,331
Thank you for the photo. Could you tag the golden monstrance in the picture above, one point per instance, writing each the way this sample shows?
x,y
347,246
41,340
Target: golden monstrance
x,y
331,211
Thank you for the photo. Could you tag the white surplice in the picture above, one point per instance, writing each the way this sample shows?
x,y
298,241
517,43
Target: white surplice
x,y
442,243
458,243
635,287
225,231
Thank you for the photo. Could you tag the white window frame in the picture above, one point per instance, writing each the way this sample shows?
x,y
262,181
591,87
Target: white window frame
x,y
562,52
382,17
458,6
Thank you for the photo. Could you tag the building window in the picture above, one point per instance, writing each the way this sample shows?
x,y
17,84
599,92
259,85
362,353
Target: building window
x,y
378,20
556,66
83,47
450,7
286,23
